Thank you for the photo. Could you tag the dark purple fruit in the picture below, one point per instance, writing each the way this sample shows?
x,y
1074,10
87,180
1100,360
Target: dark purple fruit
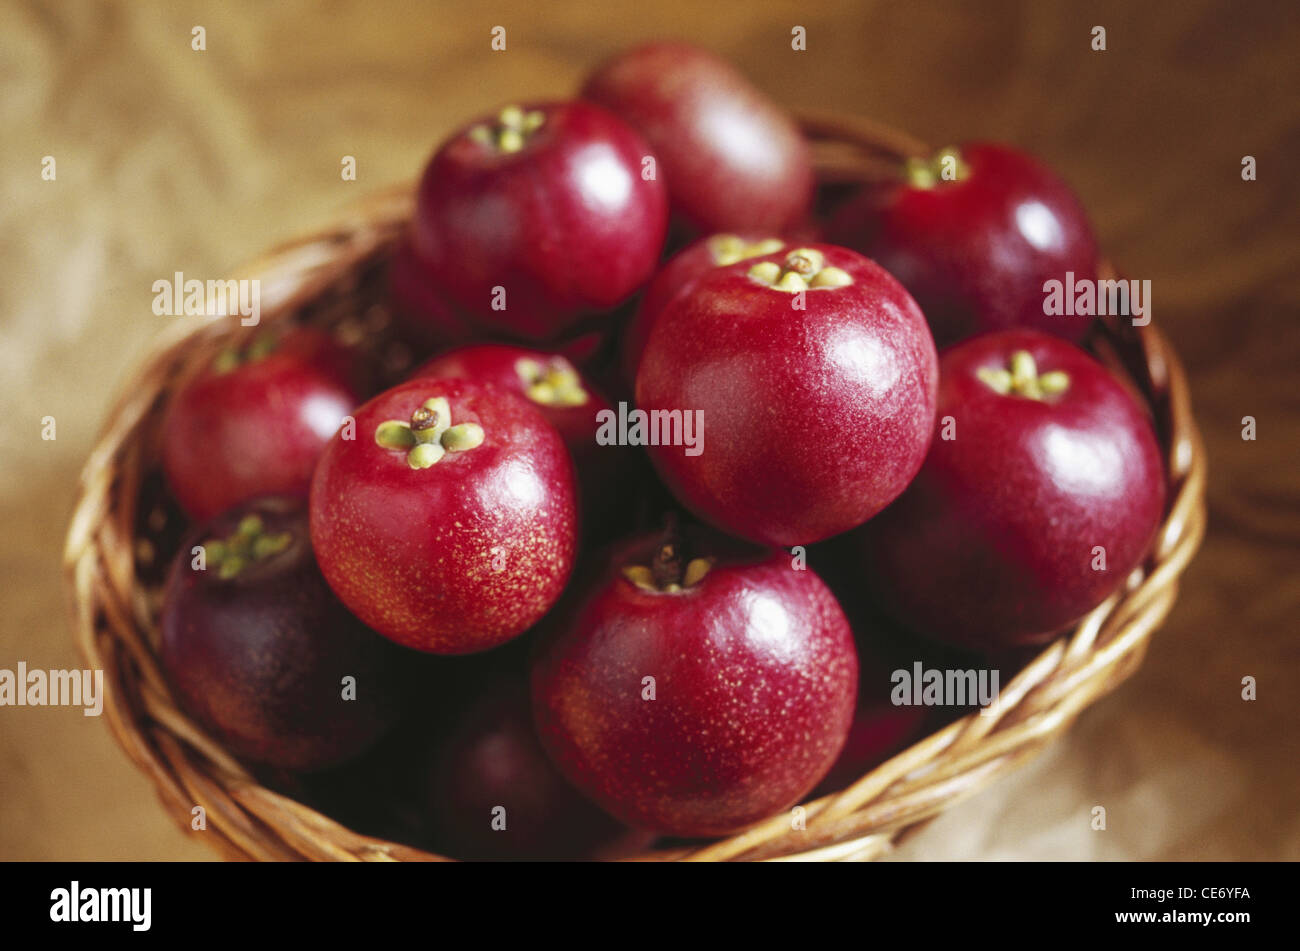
x,y
259,650
492,793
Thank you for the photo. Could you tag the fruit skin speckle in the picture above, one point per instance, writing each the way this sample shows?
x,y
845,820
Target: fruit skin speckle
x,y
755,677
462,555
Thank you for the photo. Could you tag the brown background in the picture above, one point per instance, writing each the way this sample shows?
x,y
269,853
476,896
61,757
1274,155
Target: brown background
x,y
170,159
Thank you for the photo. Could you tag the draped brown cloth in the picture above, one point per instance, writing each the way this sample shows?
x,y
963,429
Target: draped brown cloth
x,y
171,159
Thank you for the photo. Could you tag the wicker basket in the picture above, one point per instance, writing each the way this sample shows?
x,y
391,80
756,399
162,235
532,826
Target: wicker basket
x,y
334,278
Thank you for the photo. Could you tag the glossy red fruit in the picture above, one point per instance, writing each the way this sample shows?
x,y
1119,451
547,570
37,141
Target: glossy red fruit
x,y
448,522
547,205
257,648
691,688
814,419
1046,498
732,159
680,275
975,251
492,793
255,420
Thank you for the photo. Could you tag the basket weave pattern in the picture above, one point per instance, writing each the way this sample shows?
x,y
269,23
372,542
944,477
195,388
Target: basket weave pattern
x,y
333,279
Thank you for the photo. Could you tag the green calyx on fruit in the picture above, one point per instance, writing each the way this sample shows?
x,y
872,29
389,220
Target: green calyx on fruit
x,y
729,248
946,165
553,383
511,131
248,544
429,435
803,269
1023,379
668,572
229,359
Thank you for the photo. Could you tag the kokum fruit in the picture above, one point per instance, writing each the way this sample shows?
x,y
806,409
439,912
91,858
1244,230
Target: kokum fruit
x,y
814,375
974,234
1032,509
692,687
448,522
732,159
261,653
539,217
254,421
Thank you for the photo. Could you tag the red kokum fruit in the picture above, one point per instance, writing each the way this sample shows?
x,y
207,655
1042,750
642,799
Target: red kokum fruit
x,y
539,217
975,234
254,421
449,522
678,276
563,395
260,652
732,159
812,374
691,687
491,791
1034,508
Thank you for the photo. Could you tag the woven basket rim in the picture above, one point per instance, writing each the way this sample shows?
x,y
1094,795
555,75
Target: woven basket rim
x,y
111,617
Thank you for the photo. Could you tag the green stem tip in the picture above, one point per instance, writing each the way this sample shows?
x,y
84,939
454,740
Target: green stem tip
x,y
250,543
803,269
946,165
669,571
1021,378
429,435
510,131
